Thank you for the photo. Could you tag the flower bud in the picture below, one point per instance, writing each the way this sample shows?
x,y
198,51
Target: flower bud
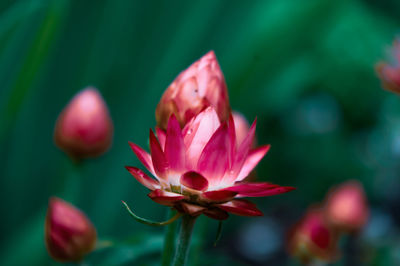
x,y
69,233
389,73
199,86
313,239
346,207
84,128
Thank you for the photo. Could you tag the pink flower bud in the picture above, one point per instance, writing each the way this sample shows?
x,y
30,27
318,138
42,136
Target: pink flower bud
x,y
200,86
84,128
69,233
389,73
313,239
346,207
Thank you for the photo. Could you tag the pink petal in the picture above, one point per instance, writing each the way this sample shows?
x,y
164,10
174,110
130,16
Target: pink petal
x,y
251,161
216,213
241,207
165,197
144,179
219,195
243,149
197,133
174,146
161,136
213,160
194,180
192,209
143,157
258,189
160,163
232,138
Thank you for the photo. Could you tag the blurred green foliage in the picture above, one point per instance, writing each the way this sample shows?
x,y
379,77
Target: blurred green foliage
x,y
304,68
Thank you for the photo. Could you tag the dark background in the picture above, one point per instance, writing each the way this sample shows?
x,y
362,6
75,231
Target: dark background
x,y
304,68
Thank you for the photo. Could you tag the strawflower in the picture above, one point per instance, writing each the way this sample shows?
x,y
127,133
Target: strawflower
x,y
84,128
313,239
389,73
346,207
200,169
196,88
69,234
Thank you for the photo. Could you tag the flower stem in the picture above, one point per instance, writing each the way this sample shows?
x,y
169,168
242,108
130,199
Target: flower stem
x,y
185,234
169,241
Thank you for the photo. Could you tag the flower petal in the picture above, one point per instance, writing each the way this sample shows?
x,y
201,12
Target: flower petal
x,y
194,180
240,207
219,195
143,156
144,179
258,189
213,160
174,146
161,136
232,138
160,163
243,150
197,133
191,209
216,213
251,161
165,197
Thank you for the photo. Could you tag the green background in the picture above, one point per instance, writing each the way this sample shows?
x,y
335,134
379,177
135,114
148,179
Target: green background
x,y
304,68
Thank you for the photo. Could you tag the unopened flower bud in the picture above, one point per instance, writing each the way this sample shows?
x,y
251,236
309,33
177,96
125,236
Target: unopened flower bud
x,y
313,239
346,207
199,86
69,233
84,128
389,73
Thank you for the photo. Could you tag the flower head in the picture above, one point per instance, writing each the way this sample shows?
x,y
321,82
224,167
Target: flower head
x,y
200,168
346,207
84,128
312,238
69,233
199,86
390,72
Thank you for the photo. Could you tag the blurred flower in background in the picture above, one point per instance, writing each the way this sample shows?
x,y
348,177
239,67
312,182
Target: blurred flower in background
x,y
313,239
390,72
199,86
69,233
346,207
84,128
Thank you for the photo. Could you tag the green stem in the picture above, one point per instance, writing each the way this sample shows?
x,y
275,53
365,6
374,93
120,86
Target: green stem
x,y
185,234
169,241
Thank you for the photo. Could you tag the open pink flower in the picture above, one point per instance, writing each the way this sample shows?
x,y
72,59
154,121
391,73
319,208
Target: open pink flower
x,y
200,168
199,86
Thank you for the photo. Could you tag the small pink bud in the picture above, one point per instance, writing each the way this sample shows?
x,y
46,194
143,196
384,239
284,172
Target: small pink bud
x,y
199,86
346,207
313,239
69,233
84,128
389,73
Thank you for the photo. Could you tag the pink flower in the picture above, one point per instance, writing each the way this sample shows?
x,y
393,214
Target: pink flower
x,y
69,233
199,86
346,207
200,168
313,238
84,128
241,127
390,72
